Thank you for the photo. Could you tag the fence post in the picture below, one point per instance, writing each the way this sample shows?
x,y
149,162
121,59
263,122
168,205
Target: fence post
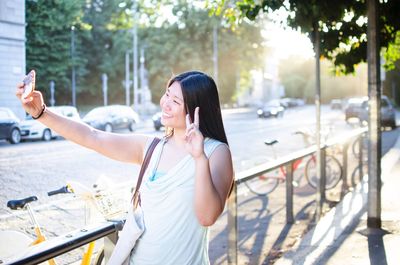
x,y
321,184
323,175
232,227
289,193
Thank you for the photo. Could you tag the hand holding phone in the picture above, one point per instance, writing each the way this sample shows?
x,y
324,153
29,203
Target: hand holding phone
x,y
29,84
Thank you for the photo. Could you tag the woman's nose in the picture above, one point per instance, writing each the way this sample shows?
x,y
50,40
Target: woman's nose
x,y
165,103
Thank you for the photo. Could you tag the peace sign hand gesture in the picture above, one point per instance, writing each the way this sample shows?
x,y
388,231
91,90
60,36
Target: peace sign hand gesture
x,y
193,137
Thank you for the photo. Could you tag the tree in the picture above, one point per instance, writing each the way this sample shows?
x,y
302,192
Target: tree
x,y
48,51
392,65
186,44
342,24
105,36
174,43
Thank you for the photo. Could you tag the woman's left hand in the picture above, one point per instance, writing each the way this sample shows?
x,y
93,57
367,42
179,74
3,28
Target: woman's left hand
x,y
193,137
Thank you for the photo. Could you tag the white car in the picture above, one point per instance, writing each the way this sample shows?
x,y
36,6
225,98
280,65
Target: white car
x,y
35,130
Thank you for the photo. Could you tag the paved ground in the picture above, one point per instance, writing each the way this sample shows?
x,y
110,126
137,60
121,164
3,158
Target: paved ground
x,y
342,236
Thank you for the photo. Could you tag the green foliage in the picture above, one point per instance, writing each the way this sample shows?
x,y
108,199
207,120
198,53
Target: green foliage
x,y
103,35
341,23
392,55
188,44
104,44
48,49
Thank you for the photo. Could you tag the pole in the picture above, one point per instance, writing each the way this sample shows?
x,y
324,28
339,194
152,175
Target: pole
x,y
105,88
321,185
141,70
73,83
127,81
374,118
135,56
52,91
215,53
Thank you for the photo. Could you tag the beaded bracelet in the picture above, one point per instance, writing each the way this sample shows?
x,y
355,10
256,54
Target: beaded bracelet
x,y
41,112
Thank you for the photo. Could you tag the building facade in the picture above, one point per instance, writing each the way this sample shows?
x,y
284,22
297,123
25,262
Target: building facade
x,y
12,52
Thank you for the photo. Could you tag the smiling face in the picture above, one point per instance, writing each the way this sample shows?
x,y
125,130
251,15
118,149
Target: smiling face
x,y
173,107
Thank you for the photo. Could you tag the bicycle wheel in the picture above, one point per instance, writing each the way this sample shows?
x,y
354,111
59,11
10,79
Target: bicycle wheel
x,y
262,185
297,174
355,175
333,172
355,147
100,257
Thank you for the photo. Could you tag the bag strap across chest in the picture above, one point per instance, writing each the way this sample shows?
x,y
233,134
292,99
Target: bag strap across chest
x,y
146,161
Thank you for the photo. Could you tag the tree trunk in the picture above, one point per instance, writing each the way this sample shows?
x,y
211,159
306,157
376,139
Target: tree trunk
x,y
374,118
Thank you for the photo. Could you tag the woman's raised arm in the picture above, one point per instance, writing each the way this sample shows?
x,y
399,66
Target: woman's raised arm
x,y
125,148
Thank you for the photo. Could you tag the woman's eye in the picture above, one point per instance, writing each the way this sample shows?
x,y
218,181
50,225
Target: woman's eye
x,y
176,102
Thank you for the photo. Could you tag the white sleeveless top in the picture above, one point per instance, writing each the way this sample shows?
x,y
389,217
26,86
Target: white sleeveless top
x,y
172,233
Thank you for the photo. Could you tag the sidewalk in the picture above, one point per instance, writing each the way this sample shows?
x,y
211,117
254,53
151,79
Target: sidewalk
x,y
342,237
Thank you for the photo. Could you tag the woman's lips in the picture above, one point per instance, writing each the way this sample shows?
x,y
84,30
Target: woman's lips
x,y
166,115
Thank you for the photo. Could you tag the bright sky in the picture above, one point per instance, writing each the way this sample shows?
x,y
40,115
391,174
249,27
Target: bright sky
x,y
287,42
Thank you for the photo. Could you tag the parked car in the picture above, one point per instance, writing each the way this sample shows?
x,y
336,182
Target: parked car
x,y
354,107
336,104
388,114
67,111
272,108
34,130
9,126
291,102
157,121
111,118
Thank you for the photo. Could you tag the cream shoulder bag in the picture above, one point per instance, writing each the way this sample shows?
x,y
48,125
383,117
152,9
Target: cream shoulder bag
x,y
134,224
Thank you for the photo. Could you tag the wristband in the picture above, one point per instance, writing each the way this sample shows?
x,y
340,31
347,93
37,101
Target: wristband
x,y
41,112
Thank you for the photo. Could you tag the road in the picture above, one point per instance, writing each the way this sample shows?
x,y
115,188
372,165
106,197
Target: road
x,y
33,168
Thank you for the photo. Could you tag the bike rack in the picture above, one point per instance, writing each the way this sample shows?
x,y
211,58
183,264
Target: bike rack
x,y
65,243
286,161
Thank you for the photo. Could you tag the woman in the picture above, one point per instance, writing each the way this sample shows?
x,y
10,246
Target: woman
x,y
189,176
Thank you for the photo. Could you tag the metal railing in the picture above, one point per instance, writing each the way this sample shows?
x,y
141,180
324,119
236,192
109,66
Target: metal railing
x,y
287,162
62,244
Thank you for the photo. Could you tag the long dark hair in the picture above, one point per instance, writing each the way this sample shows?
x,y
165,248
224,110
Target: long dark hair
x,y
200,90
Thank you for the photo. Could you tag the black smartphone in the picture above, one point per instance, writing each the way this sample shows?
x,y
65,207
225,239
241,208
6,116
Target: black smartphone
x,y
29,84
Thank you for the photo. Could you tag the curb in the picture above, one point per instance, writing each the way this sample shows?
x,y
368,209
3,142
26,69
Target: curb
x,y
315,243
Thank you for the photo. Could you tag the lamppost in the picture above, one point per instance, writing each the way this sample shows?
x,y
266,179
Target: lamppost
x,y
135,56
104,79
215,53
52,93
73,66
127,81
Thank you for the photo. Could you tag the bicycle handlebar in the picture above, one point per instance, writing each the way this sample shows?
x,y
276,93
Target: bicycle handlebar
x,y
64,189
301,132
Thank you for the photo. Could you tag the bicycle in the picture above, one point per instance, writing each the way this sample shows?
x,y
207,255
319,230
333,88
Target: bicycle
x,y
356,175
333,168
104,200
265,184
14,242
355,146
